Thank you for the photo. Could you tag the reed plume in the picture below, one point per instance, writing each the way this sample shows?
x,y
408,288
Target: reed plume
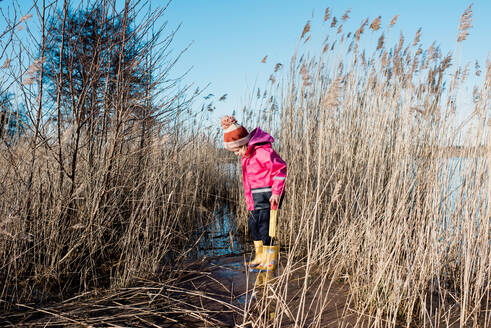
x,y
326,15
393,20
345,16
375,25
465,24
305,30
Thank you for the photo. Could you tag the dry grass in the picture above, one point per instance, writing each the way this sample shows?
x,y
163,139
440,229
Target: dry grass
x,y
108,184
372,197
109,229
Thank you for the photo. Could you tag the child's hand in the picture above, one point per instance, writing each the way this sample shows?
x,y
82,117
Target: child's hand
x,y
274,200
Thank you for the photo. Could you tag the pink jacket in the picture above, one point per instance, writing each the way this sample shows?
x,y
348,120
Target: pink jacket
x,y
263,171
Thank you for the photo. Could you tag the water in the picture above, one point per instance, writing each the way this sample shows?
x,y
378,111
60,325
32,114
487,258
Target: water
x,y
466,181
219,237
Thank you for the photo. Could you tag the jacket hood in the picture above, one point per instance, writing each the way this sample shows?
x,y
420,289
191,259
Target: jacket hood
x,y
258,136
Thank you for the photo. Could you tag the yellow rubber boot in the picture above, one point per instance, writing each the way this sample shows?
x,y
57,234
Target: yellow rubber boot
x,y
270,259
258,257
263,278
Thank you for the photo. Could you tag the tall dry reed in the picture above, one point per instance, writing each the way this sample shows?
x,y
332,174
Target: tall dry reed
x,y
387,190
109,180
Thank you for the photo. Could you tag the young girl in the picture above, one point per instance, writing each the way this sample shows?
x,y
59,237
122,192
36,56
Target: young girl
x,y
264,174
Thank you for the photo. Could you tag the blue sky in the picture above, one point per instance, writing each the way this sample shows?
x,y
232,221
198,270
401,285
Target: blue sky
x,y
231,37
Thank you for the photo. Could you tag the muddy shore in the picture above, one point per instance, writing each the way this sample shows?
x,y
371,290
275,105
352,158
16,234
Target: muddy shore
x,y
214,292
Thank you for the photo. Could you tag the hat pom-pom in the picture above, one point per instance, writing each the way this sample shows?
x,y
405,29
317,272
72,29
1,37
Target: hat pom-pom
x,y
227,121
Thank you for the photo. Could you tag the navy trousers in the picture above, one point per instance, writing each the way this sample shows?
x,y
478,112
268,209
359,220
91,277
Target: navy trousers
x,y
259,225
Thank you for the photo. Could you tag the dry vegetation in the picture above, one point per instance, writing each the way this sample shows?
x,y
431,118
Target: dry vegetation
x,y
112,182
105,182
372,198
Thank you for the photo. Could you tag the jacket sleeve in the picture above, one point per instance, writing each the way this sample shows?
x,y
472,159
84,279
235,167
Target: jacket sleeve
x,y
277,166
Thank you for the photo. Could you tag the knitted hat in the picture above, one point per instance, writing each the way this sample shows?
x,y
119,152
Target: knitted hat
x,y
234,134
